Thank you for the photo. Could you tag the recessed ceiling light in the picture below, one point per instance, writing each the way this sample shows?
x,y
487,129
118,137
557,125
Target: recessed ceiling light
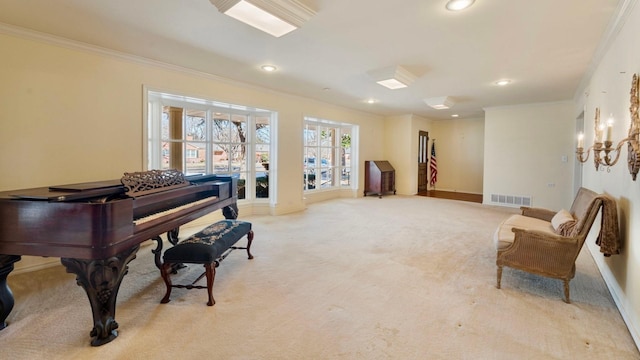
x,y
454,115
371,101
456,5
393,77
274,17
269,68
503,82
440,103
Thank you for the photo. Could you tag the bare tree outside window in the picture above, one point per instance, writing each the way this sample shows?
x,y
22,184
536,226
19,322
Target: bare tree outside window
x,y
204,136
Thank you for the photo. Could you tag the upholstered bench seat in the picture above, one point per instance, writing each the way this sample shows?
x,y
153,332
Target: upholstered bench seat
x,y
504,235
208,247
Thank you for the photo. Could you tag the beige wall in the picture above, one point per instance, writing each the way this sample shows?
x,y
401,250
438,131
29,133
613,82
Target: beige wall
x,y
460,154
608,89
524,151
73,114
459,151
397,150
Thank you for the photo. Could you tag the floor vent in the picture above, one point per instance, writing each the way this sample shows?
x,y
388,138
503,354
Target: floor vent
x,y
511,200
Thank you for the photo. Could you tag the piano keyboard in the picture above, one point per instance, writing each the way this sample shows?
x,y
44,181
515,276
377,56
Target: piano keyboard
x,y
172,211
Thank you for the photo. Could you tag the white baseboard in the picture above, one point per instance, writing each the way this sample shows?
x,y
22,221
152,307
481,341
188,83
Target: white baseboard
x,y
616,294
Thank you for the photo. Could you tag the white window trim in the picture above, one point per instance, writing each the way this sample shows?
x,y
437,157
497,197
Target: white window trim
x,y
194,102
353,168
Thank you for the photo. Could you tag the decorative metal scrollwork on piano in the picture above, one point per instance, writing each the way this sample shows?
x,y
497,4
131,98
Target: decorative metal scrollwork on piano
x,y
149,182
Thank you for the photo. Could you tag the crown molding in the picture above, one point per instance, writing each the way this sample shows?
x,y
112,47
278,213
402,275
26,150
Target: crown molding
x,y
620,16
80,46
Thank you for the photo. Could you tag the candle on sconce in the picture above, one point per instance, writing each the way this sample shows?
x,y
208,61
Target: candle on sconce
x,y
599,133
609,128
581,140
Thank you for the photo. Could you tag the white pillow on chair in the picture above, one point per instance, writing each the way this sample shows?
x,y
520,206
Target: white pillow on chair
x,y
560,218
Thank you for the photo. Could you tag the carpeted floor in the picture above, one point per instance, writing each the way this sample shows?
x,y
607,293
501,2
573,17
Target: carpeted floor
x,y
393,278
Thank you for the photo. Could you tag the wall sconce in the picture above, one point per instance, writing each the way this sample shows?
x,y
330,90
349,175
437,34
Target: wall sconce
x,y
611,154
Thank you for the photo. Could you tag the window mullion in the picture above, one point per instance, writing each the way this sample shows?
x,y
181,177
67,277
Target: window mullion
x,y
250,153
208,142
155,134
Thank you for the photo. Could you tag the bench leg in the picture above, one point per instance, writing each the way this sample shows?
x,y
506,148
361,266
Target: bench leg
x,y
210,270
249,241
165,271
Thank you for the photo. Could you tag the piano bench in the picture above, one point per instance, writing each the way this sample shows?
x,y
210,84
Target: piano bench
x,y
208,247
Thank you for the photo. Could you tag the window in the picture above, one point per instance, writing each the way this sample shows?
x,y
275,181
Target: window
x,y
327,154
202,136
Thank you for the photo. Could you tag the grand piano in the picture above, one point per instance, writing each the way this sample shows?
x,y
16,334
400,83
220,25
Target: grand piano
x,y
96,229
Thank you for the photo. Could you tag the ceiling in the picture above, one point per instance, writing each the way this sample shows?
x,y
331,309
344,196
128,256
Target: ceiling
x,y
544,47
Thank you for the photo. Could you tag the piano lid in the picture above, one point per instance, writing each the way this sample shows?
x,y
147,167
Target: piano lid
x,y
70,192
95,185
95,189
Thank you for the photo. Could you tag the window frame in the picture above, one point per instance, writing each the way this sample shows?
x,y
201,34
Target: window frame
x,y
336,169
153,151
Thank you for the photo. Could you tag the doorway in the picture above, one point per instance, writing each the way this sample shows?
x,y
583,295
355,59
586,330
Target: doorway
x,y
423,161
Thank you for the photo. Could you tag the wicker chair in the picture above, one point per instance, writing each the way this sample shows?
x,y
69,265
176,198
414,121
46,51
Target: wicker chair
x,y
544,252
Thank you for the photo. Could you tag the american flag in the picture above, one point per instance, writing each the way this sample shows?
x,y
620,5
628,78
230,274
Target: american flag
x,y
433,166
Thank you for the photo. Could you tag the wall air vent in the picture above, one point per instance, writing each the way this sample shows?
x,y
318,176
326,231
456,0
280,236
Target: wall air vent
x,y
510,200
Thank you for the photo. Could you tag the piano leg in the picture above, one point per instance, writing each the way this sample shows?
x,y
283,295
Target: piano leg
x,y
101,280
172,235
6,296
157,252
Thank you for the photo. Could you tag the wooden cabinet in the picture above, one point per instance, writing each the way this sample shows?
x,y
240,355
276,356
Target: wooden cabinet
x,y
379,178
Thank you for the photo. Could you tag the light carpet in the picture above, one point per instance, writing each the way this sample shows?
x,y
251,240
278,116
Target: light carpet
x,y
402,277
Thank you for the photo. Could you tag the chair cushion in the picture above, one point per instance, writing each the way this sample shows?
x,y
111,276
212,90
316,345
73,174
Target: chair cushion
x,y
208,244
503,237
